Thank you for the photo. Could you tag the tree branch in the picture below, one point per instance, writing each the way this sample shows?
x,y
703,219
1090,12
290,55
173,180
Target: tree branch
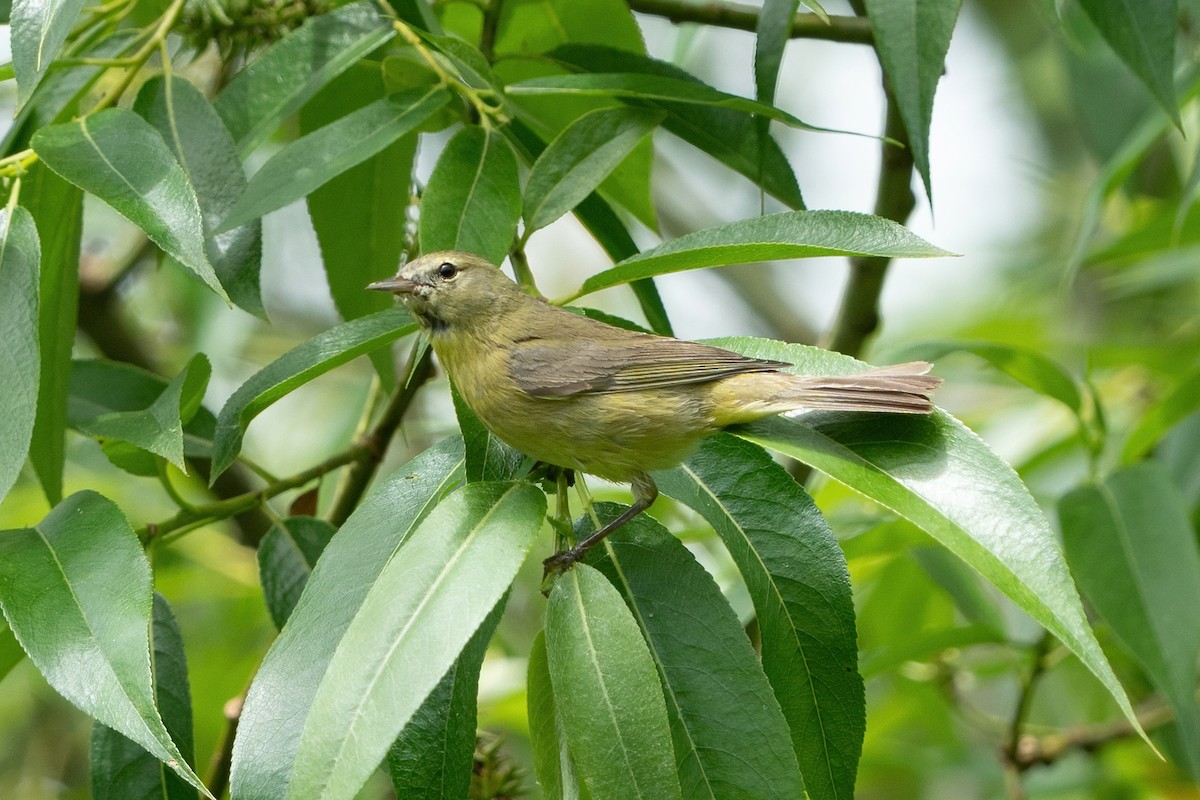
x,y
853,30
1032,751
858,316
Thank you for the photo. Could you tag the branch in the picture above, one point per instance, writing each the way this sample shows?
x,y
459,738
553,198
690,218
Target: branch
x,y
1032,750
858,316
218,773
854,30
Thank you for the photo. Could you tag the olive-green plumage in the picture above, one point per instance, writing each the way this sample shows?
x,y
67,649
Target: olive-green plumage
x,y
578,393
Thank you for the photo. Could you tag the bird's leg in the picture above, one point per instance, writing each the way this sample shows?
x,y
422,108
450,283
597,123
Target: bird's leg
x,y
562,515
644,493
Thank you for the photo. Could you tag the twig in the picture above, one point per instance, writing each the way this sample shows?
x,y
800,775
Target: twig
x,y
853,30
858,316
1032,751
222,760
1012,774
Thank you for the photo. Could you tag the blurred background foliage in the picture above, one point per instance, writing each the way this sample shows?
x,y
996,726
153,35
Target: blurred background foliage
x,y
1054,172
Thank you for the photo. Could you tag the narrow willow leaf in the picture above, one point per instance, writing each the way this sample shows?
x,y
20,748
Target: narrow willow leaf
x,y
277,83
434,756
551,759
912,38
39,28
1028,367
473,199
582,156
939,475
731,739
791,234
414,622
298,366
311,160
773,31
1134,552
1179,403
158,428
607,691
282,692
84,568
117,156
57,208
1143,35
731,137
488,458
121,768
796,575
199,139
20,361
286,557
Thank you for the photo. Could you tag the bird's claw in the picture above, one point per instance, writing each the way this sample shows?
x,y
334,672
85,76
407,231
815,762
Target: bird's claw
x,y
557,564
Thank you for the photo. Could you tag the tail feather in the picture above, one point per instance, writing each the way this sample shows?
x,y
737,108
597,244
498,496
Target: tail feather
x,y
896,389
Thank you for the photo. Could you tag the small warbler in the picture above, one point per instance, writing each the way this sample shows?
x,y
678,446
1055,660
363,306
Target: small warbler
x,y
583,395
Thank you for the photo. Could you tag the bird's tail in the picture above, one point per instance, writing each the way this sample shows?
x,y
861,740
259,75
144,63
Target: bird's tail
x,y
898,389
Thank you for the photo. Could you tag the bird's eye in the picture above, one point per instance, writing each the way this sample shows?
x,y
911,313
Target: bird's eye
x,y
447,270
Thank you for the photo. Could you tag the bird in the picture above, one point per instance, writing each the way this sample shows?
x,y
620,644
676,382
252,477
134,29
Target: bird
x,y
580,394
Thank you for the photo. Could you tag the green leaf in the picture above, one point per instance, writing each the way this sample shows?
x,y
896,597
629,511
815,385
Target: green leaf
x,y
117,156
1134,552
551,760
576,162
83,568
297,367
286,557
773,31
414,621
20,362
311,160
1143,35
11,653
157,428
912,38
264,94
444,726
791,234
202,144
282,693
936,473
473,199
649,87
1179,403
39,28
121,768
796,575
57,208
488,458
1028,367
731,739
609,698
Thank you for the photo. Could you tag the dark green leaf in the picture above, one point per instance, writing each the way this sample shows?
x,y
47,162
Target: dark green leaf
x,y
83,568
298,366
912,37
413,623
57,208
157,428
791,234
609,698
286,557
796,575
1028,367
282,693
11,653
121,768
576,162
1134,552
1143,35
773,31
1179,403
935,472
434,755
118,157
488,458
473,199
731,738
311,160
20,363
551,760
292,70
201,142
39,28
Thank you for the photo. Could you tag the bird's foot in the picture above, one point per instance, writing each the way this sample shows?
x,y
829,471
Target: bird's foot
x,y
557,564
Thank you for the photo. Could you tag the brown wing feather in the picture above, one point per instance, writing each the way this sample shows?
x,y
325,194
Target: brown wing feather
x,y
628,362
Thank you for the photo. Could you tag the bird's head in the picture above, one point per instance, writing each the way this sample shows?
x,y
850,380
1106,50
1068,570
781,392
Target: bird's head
x,y
450,289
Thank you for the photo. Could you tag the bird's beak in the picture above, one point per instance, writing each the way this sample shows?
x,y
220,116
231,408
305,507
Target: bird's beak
x,y
396,285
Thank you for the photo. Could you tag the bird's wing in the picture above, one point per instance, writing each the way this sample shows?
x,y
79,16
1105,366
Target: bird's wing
x,y
555,367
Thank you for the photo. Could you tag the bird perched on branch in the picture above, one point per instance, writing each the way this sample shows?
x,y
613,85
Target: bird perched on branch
x,y
584,395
